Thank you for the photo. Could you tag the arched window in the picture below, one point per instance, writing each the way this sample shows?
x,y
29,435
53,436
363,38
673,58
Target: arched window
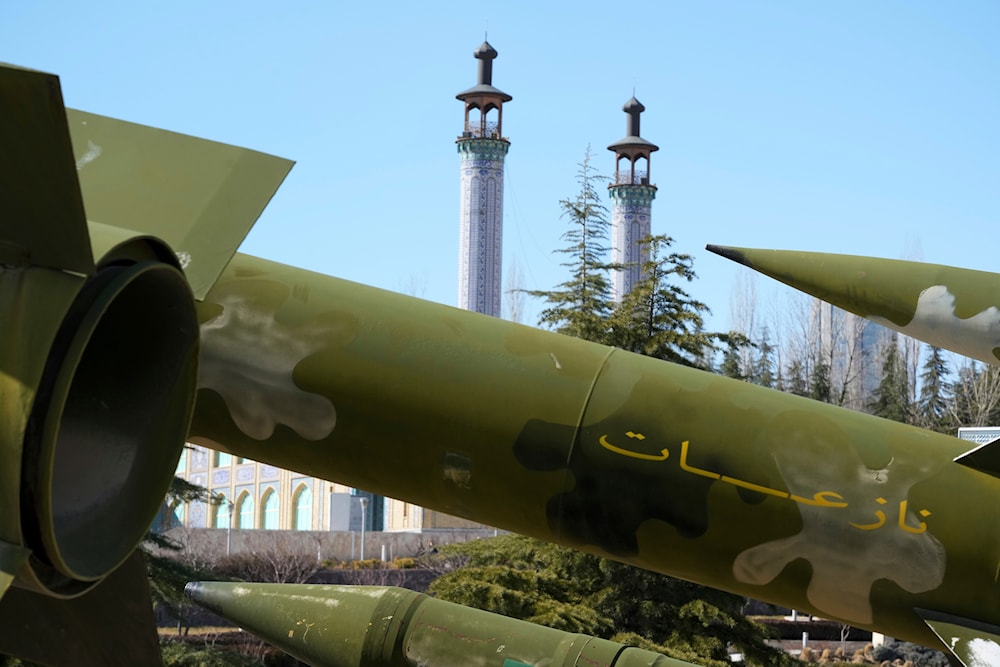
x,y
302,508
244,511
270,510
220,517
178,519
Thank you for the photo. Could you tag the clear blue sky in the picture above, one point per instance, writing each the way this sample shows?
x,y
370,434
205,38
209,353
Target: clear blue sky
x,y
854,127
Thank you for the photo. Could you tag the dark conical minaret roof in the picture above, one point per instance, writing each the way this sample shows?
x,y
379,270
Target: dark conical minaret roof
x,y
485,54
633,105
632,139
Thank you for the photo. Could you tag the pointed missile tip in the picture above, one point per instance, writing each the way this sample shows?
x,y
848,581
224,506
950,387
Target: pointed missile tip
x,y
212,595
734,254
192,590
205,593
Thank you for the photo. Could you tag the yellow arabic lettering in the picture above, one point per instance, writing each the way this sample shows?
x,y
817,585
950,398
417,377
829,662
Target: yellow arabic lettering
x,y
662,456
921,527
878,524
753,487
872,526
692,469
822,499
819,499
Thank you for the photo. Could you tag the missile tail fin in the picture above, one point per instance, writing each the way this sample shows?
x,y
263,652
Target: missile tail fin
x,y
111,624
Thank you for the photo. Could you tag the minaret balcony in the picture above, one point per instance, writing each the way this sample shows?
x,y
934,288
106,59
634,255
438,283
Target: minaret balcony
x,y
480,130
631,178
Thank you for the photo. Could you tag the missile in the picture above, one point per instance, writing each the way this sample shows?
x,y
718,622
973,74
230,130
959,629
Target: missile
x,y
108,233
370,626
669,468
955,309
128,313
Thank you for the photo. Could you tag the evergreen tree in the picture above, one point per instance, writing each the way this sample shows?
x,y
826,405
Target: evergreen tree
x,y
762,366
658,318
731,363
795,379
167,573
528,579
891,398
935,392
820,384
580,306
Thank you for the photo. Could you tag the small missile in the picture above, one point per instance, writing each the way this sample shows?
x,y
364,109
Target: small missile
x,y
952,308
370,626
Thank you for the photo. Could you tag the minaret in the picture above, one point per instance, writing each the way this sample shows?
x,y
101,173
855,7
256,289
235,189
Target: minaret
x,y
482,147
631,199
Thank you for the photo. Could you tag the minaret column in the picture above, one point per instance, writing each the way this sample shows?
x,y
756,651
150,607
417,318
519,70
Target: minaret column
x,y
482,148
630,224
632,196
481,229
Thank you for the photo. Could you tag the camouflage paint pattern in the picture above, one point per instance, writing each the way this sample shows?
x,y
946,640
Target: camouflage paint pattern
x,y
673,469
975,644
955,309
374,626
676,470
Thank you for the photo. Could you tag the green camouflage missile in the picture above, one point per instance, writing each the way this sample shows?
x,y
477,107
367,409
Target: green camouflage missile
x,y
956,309
673,469
108,233
375,626
118,320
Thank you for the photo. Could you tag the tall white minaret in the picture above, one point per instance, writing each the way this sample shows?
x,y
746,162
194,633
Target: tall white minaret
x,y
631,199
482,148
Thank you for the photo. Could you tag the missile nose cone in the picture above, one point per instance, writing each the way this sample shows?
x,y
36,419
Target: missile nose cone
x,y
735,254
191,590
200,592
320,625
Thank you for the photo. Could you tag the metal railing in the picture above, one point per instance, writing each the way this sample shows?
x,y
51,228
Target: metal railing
x,y
628,177
480,130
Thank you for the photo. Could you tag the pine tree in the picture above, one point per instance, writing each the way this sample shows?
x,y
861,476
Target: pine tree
x,y
731,363
658,318
935,392
795,379
762,366
820,385
580,306
555,586
891,398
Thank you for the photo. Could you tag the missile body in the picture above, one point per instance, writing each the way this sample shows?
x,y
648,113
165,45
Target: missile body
x,y
673,469
372,626
955,309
